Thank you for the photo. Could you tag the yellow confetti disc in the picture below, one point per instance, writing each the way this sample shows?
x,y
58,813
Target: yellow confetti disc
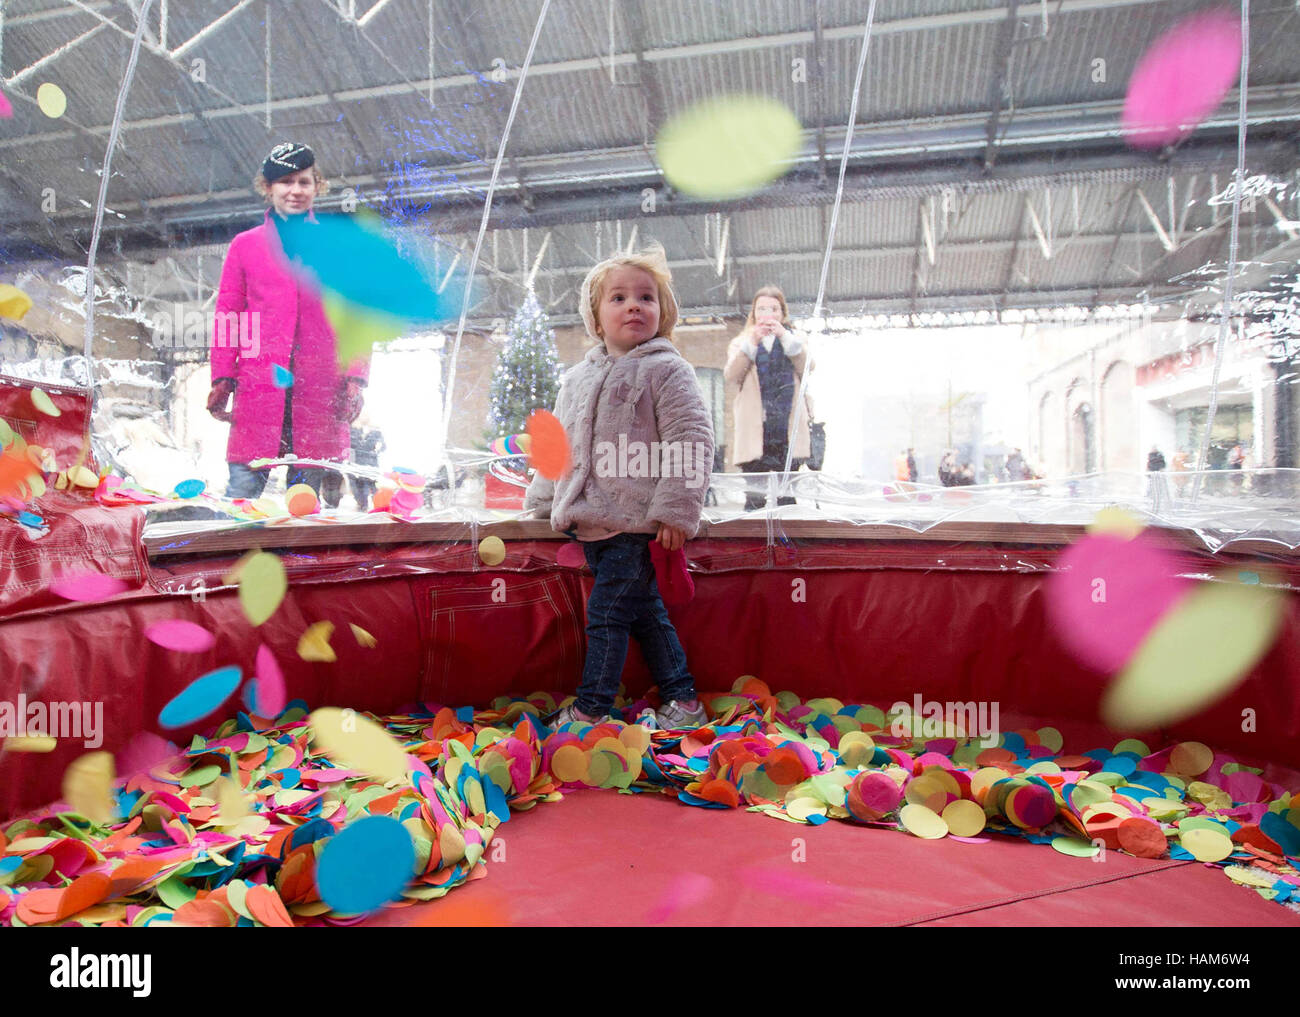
x,y
569,764
964,818
14,303
42,401
1195,655
491,551
1191,759
451,844
262,586
358,743
1250,877
31,743
599,769
80,476
636,738
802,808
856,748
88,786
1075,847
984,779
51,100
363,637
230,801
314,644
729,146
1051,738
921,789
923,822
1117,521
1206,845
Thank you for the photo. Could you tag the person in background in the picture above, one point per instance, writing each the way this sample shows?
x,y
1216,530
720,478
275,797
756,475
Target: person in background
x,y
765,365
948,468
912,473
1017,469
901,471
309,417
367,443
1179,467
1237,461
1157,485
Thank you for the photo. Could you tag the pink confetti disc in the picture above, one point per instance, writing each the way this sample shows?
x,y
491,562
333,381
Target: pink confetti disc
x,y
88,588
270,684
1182,78
1107,596
177,634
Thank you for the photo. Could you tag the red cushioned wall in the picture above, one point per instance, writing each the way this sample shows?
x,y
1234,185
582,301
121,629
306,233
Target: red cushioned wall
x,y
865,635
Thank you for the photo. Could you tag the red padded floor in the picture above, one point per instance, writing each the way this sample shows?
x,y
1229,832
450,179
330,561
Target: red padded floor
x,y
601,858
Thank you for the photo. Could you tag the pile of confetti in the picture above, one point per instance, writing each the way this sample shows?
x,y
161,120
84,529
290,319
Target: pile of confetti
x,y
322,818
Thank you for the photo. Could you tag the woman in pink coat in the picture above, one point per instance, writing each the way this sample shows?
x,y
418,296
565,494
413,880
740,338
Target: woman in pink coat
x,y
278,321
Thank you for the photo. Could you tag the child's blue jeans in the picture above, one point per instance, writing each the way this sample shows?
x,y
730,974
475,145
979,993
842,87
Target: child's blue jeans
x,y
625,601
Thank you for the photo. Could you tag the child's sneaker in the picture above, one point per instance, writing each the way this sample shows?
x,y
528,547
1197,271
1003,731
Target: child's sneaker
x,y
674,716
569,715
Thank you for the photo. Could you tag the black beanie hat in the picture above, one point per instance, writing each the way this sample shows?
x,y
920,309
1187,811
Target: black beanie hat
x,y
287,157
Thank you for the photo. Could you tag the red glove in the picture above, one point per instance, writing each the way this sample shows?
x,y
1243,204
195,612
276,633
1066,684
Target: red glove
x,y
350,399
219,398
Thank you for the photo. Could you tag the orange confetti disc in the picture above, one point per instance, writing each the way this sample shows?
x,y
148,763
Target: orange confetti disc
x,y
265,905
719,791
550,454
1142,837
206,913
14,471
784,767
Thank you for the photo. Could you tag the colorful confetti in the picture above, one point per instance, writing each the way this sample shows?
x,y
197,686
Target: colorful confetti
x,y
305,790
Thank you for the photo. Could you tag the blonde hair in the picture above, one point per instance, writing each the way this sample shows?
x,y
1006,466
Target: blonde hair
x,y
652,260
263,186
770,291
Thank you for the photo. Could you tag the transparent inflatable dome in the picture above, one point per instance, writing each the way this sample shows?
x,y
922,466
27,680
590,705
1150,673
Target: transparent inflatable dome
x,y
1033,259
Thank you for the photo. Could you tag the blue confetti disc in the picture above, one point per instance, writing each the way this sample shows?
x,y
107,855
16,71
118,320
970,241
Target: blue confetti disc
x,y
283,376
190,488
351,257
367,864
201,697
1281,832
496,801
30,519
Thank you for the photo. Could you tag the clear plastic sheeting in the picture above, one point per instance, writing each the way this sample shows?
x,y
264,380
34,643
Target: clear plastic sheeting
x,y
1004,306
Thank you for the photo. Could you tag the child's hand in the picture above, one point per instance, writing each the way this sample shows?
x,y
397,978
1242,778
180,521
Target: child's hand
x,y
672,538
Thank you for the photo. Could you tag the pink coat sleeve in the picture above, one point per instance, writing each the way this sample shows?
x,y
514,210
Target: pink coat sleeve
x,y
231,296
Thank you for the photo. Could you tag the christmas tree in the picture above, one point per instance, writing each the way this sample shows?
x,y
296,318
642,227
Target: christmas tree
x,y
527,376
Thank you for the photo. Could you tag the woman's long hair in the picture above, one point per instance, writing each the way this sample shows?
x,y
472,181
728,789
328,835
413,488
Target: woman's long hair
x,y
769,291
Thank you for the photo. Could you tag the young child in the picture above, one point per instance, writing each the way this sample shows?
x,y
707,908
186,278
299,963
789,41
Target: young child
x,y
642,442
